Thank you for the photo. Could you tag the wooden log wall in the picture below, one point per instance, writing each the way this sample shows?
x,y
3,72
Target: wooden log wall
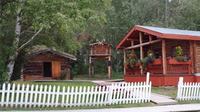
x,y
197,56
171,44
34,66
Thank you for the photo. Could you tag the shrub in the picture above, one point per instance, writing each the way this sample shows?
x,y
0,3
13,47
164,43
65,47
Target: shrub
x,y
63,74
179,54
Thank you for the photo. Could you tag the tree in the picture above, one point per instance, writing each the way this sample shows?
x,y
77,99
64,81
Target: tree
x,y
58,21
124,14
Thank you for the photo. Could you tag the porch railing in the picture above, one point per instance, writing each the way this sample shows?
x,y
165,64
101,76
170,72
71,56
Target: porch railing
x,y
155,68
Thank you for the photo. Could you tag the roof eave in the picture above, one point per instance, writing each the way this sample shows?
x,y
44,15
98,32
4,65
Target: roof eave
x,y
141,29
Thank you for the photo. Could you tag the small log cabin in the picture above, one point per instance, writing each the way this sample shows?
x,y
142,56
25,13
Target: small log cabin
x,y
100,51
47,64
165,43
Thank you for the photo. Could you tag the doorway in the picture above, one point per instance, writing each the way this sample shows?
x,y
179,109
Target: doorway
x,y
47,69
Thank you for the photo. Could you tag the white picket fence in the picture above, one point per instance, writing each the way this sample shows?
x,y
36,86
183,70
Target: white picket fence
x,y
27,96
188,90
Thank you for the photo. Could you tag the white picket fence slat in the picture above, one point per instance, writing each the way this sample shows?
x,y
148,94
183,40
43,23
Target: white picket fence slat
x,y
188,90
28,96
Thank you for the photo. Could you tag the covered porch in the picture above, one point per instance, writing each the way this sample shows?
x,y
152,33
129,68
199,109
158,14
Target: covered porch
x,y
148,49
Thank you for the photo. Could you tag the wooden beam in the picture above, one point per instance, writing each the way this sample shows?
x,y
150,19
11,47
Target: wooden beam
x,y
129,39
109,68
150,38
90,66
143,44
141,48
125,62
132,42
164,57
141,52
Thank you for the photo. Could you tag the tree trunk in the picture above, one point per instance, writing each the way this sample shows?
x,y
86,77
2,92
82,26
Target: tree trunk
x,y
12,58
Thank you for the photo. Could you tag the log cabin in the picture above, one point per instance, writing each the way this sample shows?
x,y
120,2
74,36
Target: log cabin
x,y
47,64
165,45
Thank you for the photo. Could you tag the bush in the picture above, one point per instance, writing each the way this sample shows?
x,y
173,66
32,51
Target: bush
x,y
63,74
179,54
3,73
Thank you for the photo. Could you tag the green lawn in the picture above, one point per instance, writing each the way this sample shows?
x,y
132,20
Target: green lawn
x,y
83,107
172,92
99,76
187,102
168,91
57,83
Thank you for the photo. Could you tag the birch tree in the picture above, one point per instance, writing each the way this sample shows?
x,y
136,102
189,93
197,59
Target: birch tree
x,y
60,20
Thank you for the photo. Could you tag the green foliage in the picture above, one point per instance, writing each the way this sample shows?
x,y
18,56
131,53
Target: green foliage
x,y
179,54
64,20
148,59
3,74
61,21
179,51
5,49
132,59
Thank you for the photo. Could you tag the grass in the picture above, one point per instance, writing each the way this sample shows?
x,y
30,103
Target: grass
x,y
172,92
57,83
188,102
99,76
83,107
167,91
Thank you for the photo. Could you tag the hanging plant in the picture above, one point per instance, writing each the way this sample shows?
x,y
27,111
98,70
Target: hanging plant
x,y
132,60
179,54
149,59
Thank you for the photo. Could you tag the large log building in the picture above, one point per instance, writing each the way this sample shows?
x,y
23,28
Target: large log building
x,y
163,42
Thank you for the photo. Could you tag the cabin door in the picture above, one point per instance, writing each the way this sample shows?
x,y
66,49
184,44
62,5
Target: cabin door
x,y
56,69
47,72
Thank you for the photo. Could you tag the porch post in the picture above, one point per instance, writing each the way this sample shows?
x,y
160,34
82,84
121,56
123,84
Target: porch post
x,y
164,58
124,61
90,67
109,63
109,67
191,68
141,51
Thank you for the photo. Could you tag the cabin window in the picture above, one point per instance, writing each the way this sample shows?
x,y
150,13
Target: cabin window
x,y
47,69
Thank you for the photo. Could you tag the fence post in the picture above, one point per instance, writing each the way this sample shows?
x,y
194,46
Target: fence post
x,y
180,84
147,78
110,94
180,80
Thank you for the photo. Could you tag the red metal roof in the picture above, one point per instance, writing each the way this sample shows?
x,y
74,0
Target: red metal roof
x,y
165,33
